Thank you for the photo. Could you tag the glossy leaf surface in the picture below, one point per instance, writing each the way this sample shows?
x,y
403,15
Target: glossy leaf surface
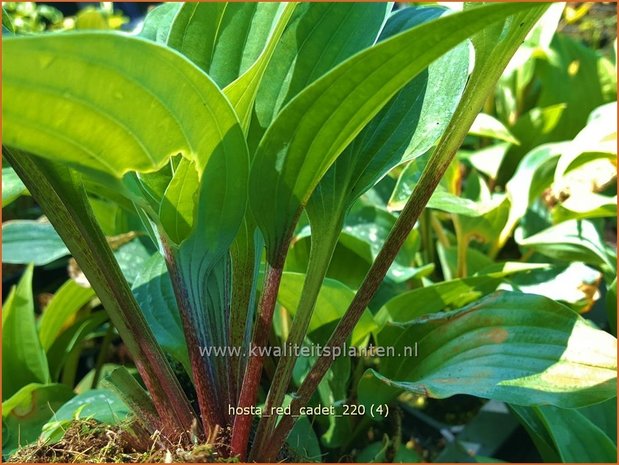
x,y
520,348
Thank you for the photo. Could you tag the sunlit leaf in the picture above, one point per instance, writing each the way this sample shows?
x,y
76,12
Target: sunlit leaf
x,y
524,349
24,359
65,303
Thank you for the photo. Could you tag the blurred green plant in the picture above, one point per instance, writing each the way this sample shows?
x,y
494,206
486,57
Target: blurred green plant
x,y
384,208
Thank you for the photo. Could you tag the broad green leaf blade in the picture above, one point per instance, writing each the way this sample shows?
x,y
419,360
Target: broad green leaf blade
x,y
533,175
372,225
131,257
25,413
65,303
99,404
66,97
242,91
223,39
12,187
574,284
176,210
127,388
318,37
531,421
68,342
314,128
446,295
411,123
24,359
158,21
332,300
519,348
576,438
582,205
405,128
598,136
27,241
573,240
154,293
488,126
442,199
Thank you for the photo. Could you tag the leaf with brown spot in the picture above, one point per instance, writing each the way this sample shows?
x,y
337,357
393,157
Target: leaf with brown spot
x,y
520,348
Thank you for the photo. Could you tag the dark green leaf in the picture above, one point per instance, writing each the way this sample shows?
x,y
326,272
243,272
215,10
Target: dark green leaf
x,y
318,37
155,295
520,348
292,157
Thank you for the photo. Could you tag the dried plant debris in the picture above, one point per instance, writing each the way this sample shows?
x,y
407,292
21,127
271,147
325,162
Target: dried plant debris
x,y
88,441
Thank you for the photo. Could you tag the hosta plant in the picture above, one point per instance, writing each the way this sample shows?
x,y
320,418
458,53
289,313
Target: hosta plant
x,y
226,132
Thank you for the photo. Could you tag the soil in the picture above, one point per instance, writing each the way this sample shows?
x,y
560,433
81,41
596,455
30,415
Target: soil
x,y
88,441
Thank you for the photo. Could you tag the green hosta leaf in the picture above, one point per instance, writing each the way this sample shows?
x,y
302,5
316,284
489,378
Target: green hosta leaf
x,y
131,258
176,210
446,295
575,285
99,404
25,413
405,128
476,261
310,132
488,126
58,88
159,20
224,39
115,217
581,205
533,175
332,301
302,439
487,227
27,241
582,87
86,383
486,160
24,359
598,136
574,240
442,199
155,295
242,92
572,434
372,226
519,348
318,37
531,421
69,341
12,187
67,301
